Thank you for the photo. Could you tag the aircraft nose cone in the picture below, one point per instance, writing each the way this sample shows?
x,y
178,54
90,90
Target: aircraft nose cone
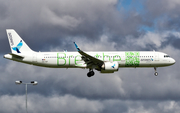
x,y
173,61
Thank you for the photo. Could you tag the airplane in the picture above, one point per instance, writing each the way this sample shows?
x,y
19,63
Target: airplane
x,y
103,61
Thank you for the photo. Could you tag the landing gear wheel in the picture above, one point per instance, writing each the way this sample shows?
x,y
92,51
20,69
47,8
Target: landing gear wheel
x,y
156,73
91,73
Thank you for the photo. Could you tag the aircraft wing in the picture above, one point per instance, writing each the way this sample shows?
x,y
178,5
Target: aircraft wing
x,y
89,60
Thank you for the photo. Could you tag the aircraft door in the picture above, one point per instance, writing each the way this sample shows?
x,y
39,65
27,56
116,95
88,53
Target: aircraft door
x,y
156,56
123,59
34,58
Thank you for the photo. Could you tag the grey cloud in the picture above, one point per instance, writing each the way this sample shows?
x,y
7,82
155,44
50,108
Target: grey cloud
x,y
55,104
69,103
54,25
49,23
3,11
163,14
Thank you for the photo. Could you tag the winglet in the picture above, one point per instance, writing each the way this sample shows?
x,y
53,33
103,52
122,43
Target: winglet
x,y
76,46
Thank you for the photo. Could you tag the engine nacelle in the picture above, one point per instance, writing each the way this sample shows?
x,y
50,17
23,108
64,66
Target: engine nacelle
x,y
109,67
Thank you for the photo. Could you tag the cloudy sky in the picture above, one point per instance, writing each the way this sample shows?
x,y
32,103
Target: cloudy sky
x,y
96,25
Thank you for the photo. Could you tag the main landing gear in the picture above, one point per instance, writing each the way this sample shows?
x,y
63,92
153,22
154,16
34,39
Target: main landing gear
x,y
156,73
90,73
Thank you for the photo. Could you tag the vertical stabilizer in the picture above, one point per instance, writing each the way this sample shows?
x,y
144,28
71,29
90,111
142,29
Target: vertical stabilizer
x,y
17,45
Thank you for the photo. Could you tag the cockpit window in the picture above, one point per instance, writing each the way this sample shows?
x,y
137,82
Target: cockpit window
x,y
166,56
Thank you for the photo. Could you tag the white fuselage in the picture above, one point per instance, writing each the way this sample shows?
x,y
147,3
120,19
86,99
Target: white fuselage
x,y
74,60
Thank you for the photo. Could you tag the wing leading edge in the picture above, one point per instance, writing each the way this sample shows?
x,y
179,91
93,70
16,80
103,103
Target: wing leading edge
x,y
88,59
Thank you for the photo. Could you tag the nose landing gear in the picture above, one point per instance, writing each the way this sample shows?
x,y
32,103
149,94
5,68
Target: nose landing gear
x,y
156,73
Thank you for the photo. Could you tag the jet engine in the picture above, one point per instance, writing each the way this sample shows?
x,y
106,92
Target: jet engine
x,y
109,67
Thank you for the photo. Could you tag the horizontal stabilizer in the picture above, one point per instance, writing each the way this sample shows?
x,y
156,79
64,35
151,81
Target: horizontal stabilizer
x,y
12,55
17,55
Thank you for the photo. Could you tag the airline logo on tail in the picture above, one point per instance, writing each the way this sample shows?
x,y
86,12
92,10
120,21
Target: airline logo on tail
x,y
17,48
